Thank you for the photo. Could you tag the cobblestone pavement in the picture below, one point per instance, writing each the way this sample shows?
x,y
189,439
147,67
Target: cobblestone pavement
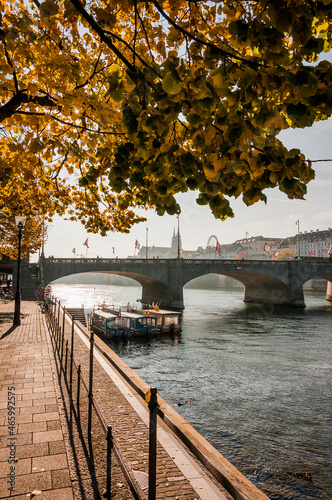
x,y
33,455
55,457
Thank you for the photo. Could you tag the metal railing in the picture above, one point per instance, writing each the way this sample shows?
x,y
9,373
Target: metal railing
x,y
65,354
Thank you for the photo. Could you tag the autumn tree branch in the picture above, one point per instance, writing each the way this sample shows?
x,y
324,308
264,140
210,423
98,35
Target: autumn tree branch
x,y
203,42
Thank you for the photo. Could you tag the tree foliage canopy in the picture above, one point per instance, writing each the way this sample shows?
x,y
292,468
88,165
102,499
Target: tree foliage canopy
x,y
106,105
33,235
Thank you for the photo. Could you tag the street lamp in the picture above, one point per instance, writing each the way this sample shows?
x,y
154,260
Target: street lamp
x,y
20,223
298,235
178,235
247,234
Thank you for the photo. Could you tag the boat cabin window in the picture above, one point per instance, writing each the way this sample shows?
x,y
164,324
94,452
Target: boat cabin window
x,y
145,322
151,322
168,320
123,323
100,321
159,321
116,322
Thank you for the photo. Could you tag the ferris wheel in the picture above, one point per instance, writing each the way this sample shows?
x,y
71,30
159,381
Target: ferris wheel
x,y
210,238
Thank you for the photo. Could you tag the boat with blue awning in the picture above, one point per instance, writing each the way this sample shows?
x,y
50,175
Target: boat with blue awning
x,y
112,324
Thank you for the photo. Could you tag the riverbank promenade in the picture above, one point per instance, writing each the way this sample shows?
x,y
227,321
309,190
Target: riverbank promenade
x,y
33,457
44,455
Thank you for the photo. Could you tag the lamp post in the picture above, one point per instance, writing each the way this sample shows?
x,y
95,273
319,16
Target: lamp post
x,y
298,235
247,234
20,223
178,235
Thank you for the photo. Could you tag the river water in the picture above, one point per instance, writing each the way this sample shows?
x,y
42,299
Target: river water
x,y
253,380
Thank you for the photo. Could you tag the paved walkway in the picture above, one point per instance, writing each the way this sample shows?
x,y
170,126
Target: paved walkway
x,y
42,452
33,459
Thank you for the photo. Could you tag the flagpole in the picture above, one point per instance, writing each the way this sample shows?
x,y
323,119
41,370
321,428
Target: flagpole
x,y
298,234
178,236
247,234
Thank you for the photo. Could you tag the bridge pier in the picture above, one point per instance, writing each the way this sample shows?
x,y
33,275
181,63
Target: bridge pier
x,y
277,294
163,296
154,292
166,296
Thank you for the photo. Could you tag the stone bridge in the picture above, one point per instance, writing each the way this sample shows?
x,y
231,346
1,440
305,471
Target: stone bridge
x,y
273,282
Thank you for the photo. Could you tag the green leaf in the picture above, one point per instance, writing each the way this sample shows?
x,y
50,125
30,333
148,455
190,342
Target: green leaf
x,y
172,83
295,111
234,132
49,8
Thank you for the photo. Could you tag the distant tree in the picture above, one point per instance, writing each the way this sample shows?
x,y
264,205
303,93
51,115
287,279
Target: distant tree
x,y
110,105
284,254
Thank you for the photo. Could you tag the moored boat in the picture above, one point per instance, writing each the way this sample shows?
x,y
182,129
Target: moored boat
x,y
110,325
140,323
167,321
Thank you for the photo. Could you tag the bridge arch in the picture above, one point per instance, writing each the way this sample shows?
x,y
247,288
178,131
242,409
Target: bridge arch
x,y
154,288
257,287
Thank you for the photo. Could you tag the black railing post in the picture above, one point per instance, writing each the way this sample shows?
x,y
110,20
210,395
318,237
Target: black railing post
x,y
63,318
78,391
153,406
50,312
58,326
59,305
58,342
72,352
63,334
52,322
66,359
90,384
109,438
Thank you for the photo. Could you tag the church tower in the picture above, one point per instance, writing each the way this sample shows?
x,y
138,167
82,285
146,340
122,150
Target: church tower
x,y
176,244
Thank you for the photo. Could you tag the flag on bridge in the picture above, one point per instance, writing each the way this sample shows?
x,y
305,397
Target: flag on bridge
x,y
218,247
74,251
86,243
267,248
137,245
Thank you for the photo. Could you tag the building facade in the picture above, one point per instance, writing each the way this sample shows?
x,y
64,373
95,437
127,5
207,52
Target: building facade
x,y
309,244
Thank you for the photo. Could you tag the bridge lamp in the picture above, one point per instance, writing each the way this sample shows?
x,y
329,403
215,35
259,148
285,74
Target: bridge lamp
x,y
298,235
20,223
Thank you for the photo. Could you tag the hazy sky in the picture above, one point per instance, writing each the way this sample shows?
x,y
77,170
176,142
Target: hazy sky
x,y
275,219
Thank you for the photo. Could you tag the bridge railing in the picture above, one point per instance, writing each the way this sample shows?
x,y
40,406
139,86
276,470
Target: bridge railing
x,y
158,261
104,261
